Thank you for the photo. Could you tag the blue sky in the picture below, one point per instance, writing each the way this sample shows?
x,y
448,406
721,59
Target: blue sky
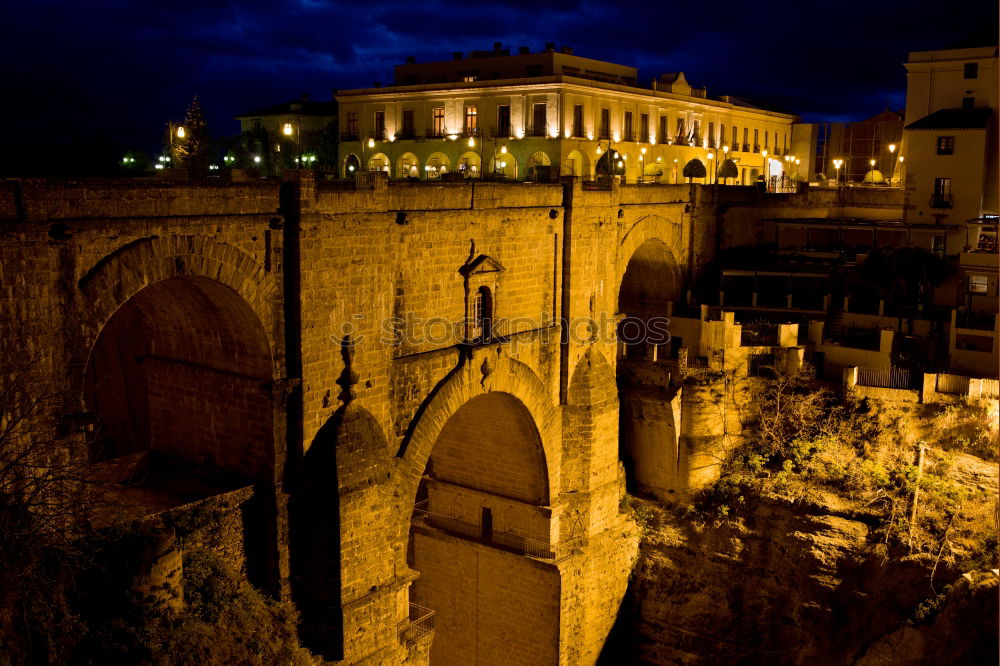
x,y
112,73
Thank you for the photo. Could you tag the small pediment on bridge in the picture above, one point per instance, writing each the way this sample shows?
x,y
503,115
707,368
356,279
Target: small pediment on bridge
x,y
481,264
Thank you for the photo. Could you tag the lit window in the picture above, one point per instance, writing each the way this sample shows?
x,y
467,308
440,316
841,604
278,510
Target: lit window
x,y
945,145
978,284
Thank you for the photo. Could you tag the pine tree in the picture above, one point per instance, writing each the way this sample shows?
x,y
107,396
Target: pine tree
x,y
194,150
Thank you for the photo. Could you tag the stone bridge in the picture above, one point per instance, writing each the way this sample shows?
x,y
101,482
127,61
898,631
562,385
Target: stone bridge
x,y
418,381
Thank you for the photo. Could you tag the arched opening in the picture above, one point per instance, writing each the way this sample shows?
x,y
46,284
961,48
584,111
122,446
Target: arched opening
x,y
504,165
539,167
479,529
378,162
483,313
645,342
351,165
469,165
181,370
576,165
179,380
437,165
611,163
407,166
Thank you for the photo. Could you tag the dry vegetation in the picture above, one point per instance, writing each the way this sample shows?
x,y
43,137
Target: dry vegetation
x,y
858,457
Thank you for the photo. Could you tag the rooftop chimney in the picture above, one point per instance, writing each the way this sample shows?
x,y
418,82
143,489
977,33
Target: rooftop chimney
x,y
550,46
410,60
497,46
456,55
523,50
568,50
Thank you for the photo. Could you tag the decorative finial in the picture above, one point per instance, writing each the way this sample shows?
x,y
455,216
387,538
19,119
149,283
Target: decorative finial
x,y
348,378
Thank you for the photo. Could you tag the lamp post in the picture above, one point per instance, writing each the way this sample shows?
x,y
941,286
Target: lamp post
x,y
836,165
725,158
710,156
892,161
642,164
767,176
901,172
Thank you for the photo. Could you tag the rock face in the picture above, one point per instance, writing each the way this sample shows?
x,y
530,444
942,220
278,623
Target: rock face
x,y
792,585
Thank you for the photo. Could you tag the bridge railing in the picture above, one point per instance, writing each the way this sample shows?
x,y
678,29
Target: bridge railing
x,y
506,540
419,625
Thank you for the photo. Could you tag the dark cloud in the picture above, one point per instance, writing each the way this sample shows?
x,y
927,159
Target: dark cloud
x,y
116,71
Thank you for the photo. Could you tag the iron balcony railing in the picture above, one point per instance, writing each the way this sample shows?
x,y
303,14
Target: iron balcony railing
x,y
419,625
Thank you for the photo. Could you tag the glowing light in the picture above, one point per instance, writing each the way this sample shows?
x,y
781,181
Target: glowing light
x,y
159,166
652,139
371,143
472,142
555,133
519,133
567,133
256,159
764,154
643,150
659,159
617,137
452,137
892,147
590,136
287,129
180,132
598,150
350,168
900,158
872,162
711,156
725,150
503,149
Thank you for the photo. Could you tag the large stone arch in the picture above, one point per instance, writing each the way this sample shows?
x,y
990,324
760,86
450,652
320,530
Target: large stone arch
x,y
116,278
504,375
650,228
209,319
484,514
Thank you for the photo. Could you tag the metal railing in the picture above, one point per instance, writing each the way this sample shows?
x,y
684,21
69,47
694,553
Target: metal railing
x,y
953,384
505,540
891,378
419,625
759,334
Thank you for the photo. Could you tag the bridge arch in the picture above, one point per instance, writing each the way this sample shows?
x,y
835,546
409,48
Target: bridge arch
x,y
179,350
481,469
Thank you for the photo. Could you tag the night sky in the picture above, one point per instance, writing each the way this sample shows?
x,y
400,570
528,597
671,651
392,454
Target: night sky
x,y
84,81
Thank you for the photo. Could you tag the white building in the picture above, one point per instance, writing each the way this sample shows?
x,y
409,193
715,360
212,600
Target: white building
x,y
536,116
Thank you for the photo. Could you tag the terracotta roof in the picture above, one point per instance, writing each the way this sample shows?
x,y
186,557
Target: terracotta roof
x,y
957,119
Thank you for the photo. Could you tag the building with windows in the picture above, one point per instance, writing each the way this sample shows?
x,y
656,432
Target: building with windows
x,y
289,134
538,116
951,162
856,145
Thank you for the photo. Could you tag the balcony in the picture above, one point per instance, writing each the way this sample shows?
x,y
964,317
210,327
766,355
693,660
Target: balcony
x,y
502,132
746,147
349,136
407,133
537,130
434,133
419,625
471,131
941,201
628,136
756,147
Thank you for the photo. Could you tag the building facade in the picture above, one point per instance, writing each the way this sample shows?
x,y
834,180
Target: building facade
x,y
951,163
538,116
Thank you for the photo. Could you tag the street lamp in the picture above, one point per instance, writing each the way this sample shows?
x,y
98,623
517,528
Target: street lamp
x,y
612,157
642,164
725,158
892,161
181,132
710,156
767,176
836,165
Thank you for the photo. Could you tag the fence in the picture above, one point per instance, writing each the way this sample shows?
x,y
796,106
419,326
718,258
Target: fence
x,y
420,624
953,384
892,378
506,540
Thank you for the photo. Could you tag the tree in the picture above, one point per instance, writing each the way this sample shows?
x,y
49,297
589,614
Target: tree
x,y
194,149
